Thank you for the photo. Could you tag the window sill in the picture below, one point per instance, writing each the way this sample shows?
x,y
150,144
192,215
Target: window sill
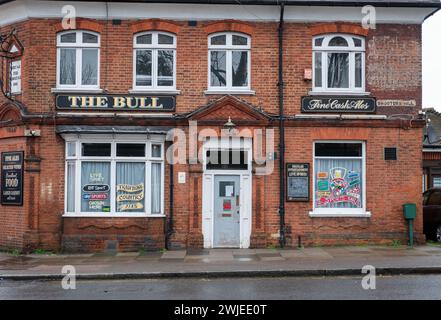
x,y
338,93
231,91
76,90
313,214
155,91
127,215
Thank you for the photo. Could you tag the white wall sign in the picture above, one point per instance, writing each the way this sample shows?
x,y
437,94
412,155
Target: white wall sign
x,y
396,103
15,77
181,177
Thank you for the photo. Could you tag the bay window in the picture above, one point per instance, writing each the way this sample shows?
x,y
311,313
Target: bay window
x,y
339,63
339,178
229,62
78,56
154,61
114,178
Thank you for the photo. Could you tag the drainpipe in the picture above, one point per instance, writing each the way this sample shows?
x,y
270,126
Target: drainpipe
x,y
282,239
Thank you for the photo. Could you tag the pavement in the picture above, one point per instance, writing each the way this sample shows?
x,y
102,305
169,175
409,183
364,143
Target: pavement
x,y
215,263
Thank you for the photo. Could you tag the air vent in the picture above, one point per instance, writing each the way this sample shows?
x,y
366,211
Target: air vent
x,y
390,154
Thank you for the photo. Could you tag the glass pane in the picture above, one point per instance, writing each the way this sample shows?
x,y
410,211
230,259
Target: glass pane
x,y
143,67
71,149
156,150
318,42
95,187
227,160
156,187
358,70
357,42
338,42
130,187
96,149
70,192
318,69
144,39
239,40
240,68
90,67
165,39
218,69
165,68
338,150
130,150
69,38
338,183
435,198
338,70
226,189
67,66
89,38
437,184
219,40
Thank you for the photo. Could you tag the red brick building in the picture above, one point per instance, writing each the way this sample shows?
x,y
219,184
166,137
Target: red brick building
x,y
316,115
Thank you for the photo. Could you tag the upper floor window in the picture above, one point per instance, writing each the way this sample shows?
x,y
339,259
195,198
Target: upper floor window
x,y
339,63
229,61
78,56
154,62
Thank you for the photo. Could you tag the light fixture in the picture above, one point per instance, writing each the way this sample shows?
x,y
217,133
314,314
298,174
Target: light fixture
x,y
230,126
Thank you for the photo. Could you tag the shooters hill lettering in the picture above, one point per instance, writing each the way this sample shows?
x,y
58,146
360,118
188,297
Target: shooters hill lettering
x,y
338,105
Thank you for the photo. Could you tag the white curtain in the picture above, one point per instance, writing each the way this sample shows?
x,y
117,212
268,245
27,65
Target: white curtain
x,y
156,188
70,192
338,70
98,174
130,187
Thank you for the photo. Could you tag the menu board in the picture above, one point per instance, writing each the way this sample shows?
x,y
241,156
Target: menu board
x,y
297,181
12,178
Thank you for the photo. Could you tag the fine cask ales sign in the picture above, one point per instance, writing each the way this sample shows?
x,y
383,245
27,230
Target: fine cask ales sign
x,y
338,105
12,178
116,102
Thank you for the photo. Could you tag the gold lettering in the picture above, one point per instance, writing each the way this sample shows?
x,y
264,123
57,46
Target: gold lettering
x,y
102,102
73,101
130,102
119,102
87,102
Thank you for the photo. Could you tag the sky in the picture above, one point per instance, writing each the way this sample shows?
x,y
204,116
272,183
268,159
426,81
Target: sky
x,y
432,62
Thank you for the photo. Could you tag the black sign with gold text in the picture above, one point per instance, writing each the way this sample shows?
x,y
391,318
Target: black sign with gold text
x,y
297,180
116,102
12,178
320,104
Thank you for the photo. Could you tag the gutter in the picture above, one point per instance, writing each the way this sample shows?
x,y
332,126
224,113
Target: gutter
x,y
280,84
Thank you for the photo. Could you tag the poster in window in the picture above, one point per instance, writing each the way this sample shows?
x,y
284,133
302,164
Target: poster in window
x,y
95,187
130,187
12,178
297,182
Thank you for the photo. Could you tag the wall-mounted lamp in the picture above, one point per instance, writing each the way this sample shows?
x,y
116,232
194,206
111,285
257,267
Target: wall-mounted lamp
x,y
230,126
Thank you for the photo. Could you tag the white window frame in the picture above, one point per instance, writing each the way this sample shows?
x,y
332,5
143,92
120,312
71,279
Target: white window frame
x,y
340,212
113,159
324,49
78,46
154,47
229,48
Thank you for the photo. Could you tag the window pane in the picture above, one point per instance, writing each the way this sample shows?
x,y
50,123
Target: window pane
x,y
89,38
70,192
130,150
338,150
90,67
71,149
165,39
95,189
240,68
358,70
239,41
338,183
144,39
67,66
338,42
69,38
130,187
143,67
227,160
318,69
219,40
156,150
165,68
318,42
218,69
338,70
357,42
156,187
96,149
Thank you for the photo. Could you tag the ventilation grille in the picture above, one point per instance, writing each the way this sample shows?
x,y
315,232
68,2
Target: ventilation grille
x,y
390,154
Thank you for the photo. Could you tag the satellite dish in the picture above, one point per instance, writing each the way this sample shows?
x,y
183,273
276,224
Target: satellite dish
x,y
432,135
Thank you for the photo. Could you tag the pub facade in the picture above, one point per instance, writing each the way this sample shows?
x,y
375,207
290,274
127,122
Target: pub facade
x,y
148,125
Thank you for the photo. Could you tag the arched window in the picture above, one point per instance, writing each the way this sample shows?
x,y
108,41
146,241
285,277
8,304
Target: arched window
x,y
229,61
339,63
78,60
154,61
